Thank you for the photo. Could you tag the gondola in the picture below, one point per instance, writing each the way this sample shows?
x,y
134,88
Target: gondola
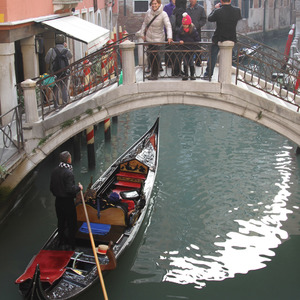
x,y
56,273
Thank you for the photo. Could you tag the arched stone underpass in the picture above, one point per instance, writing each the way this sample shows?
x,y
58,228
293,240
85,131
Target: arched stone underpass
x,y
116,100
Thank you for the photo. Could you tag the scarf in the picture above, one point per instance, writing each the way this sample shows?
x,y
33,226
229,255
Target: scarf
x,y
65,165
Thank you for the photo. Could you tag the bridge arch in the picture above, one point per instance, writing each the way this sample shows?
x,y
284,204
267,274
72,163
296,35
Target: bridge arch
x,y
225,97
277,116
117,100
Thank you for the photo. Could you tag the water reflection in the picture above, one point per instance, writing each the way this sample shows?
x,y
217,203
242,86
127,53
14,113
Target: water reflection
x,y
221,205
248,248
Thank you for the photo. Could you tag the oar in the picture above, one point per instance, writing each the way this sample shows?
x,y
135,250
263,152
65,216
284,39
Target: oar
x,y
94,249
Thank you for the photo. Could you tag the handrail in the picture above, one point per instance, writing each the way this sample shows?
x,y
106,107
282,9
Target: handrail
x,y
11,133
81,78
266,69
171,56
84,77
257,65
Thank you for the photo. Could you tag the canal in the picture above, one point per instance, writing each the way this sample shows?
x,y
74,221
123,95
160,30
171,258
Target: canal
x,y
224,218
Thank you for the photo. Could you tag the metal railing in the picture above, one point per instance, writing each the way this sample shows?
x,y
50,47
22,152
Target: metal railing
x,y
256,64
170,59
266,69
81,78
11,134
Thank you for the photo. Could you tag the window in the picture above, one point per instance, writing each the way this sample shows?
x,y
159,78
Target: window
x,y
84,14
99,18
91,15
140,6
245,9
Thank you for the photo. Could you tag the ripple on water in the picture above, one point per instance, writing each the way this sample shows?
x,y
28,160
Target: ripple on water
x,y
225,199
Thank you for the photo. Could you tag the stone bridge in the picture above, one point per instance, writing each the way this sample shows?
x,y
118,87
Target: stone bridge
x,y
44,136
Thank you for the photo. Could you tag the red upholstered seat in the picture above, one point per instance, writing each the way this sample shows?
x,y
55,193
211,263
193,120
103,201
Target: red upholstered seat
x,y
130,204
132,175
132,185
52,265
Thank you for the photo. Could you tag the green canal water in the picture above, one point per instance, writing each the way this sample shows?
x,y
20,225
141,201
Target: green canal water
x,y
224,219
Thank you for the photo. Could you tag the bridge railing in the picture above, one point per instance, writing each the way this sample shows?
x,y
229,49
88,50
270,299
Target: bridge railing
x,y
11,135
81,78
171,57
266,69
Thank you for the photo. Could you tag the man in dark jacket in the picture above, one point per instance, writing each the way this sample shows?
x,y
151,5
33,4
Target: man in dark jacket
x,y
62,186
226,17
198,15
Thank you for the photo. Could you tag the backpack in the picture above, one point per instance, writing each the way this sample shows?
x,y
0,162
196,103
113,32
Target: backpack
x,y
60,62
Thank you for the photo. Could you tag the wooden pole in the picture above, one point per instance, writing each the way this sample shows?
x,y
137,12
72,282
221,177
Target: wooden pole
x,y
91,146
94,249
107,134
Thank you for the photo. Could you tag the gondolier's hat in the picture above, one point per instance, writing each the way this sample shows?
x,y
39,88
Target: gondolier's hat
x,y
102,249
64,156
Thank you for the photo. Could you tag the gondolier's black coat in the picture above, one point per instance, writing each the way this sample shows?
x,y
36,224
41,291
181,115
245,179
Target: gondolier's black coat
x,y
62,186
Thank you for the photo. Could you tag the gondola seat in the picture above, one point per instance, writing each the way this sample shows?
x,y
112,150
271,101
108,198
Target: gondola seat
x,y
130,176
112,215
128,184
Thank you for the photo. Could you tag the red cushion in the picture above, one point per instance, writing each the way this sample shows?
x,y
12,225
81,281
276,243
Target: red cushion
x,y
133,185
130,203
132,175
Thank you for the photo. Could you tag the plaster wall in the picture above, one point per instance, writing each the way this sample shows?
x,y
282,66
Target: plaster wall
x,y
8,97
25,9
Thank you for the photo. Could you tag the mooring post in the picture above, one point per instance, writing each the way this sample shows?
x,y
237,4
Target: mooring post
x,y
107,134
90,146
77,146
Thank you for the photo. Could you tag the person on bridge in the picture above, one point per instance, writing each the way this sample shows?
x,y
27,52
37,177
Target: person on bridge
x,y
226,17
62,186
62,84
198,15
153,31
188,34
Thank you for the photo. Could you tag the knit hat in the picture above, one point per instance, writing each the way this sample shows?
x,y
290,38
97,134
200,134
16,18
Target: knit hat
x,y
186,20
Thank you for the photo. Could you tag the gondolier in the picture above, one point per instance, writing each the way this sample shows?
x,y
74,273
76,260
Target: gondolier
x,y
62,186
